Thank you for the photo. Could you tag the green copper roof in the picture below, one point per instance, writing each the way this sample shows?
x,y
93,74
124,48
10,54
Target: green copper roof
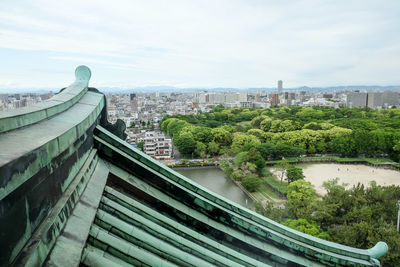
x,y
176,196
73,193
13,119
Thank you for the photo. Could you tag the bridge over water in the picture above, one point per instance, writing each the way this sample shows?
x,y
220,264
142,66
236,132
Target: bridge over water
x,y
72,192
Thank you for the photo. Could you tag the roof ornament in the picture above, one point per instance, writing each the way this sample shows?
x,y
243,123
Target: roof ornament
x,y
82,74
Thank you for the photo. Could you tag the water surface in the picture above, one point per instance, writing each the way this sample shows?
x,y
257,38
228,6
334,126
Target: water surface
x,y
215,180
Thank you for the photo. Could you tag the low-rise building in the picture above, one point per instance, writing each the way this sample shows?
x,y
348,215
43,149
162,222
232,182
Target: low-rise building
x,y
157,145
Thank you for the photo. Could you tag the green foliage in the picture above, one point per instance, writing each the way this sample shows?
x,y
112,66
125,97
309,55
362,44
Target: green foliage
x,y
294,173
185,143
278,214
308,113
388,234
282,188
284,126
304,226
265,125
221,136
349,132
140,145
270,151
282,167
240,158
301,198
213,148
251,183
227,167
202,134
218,108
175,126
344,145
256,121
257,133
359,216
200,150
240,140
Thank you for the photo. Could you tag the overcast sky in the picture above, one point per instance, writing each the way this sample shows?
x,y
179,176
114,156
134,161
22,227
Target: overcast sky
x,y
200,43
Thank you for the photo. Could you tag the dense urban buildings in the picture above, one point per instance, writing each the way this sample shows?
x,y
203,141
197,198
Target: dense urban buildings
x,y
13,101
141,112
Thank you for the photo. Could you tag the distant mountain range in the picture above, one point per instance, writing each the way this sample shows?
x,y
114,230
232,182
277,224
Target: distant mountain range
x,y
164,89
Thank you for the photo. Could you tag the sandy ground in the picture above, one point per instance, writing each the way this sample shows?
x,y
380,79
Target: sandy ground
x,y
349,174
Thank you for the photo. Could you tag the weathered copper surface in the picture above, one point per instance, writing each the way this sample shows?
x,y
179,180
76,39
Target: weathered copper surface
x,y
72,192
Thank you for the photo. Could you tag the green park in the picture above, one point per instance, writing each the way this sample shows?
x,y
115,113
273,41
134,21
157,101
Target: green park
x,y
278,156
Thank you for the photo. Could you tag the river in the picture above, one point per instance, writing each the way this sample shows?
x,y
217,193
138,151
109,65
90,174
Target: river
x,y
215,180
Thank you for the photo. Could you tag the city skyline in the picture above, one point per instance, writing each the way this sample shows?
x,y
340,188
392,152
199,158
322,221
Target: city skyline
x,y
235,44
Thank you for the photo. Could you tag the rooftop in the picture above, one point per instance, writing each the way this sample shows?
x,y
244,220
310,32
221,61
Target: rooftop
x,y
73,192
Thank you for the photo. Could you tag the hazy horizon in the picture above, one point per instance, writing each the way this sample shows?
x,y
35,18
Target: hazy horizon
x,y
170,89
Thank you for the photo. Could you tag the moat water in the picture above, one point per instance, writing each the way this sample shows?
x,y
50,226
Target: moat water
x,y
215,180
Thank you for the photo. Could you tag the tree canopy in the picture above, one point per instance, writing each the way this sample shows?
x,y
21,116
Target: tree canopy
x,y
345,131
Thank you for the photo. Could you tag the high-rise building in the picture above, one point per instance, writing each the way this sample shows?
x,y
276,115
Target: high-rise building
x,y
242,97
375,100
274,99
390,98
280,87
134,102
286,95
381,99
202,98
356,99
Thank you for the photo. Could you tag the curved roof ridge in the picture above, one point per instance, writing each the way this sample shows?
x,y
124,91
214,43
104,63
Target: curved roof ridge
x,y
66,98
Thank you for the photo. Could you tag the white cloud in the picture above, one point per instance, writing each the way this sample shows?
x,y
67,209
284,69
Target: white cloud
x,y
206,43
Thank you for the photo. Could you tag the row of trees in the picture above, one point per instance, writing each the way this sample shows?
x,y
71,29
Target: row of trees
x,y
359,216
344,131
351,118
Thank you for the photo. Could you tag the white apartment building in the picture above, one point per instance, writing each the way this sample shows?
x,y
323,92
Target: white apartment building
x,y
157,145
221,98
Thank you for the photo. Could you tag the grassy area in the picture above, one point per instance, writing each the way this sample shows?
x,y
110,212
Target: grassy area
x,y
378,160
304,164
334,159
265,193
290,160
276,184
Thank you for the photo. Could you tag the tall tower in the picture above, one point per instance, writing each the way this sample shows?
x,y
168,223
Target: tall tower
x,y
134,102
280,87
